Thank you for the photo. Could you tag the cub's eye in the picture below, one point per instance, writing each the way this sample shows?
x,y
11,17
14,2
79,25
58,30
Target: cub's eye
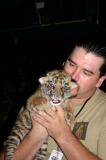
x,y
50,84
65,86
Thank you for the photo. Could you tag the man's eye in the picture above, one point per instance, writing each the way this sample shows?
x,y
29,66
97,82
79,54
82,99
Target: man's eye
x,y
87,73
71,64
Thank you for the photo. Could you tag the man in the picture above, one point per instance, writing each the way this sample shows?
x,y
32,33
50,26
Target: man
x,y
87,66
86,140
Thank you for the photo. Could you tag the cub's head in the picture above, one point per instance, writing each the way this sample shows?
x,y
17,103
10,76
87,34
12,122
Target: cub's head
x,y
57,85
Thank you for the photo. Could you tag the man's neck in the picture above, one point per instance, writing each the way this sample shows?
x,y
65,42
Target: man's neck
x,y
79,99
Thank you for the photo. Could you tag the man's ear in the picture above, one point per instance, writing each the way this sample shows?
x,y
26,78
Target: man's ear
x,y
100,81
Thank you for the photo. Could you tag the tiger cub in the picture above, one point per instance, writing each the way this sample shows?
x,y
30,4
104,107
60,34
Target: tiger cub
x,y
55,87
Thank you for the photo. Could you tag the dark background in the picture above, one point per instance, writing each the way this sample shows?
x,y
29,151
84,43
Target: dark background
x,y
34,40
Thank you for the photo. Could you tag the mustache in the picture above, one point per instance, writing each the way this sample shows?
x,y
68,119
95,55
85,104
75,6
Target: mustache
x,y
73,80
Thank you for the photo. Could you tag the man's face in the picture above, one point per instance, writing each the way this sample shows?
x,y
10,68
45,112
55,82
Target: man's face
x,y
84,69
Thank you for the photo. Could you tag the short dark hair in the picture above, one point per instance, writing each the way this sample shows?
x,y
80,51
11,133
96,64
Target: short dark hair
x,y
97,49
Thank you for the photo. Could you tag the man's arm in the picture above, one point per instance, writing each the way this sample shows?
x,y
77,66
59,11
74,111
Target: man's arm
x,y
73,149
55,123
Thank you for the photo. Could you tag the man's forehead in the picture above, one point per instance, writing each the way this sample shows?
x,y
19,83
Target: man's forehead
x,y
88,61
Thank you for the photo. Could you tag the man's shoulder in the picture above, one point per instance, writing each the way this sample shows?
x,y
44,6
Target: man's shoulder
x,y
101,93
100,96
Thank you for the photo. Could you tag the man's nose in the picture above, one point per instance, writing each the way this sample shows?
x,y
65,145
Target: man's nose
x,y
76,75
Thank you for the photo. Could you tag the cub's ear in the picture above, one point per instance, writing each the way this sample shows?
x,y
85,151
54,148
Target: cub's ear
x,y
42,80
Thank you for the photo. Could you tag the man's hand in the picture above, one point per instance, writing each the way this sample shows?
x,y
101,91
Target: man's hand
x,y
54,121
37,128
